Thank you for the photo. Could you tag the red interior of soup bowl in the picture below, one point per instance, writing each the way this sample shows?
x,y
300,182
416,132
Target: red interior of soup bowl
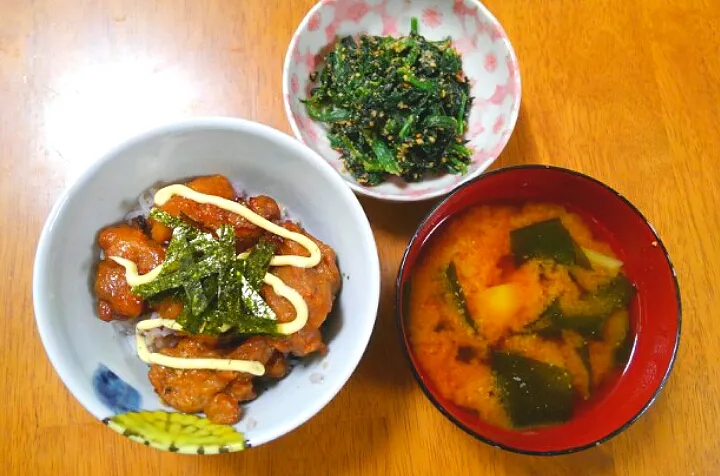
x,y
655,312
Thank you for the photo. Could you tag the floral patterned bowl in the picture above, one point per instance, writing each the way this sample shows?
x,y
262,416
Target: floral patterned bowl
x,y
488,60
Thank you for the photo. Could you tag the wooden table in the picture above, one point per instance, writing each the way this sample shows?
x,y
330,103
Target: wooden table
x,y
627,91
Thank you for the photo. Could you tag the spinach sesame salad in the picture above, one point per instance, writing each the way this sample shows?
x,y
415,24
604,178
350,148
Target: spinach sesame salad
x,y
394,106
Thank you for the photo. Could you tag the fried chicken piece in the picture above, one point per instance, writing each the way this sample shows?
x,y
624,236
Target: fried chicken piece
x,y
189,391
242,390
131,243
318,286
264,206
213,185
169,308
223,409
115,297
277,367
209,391
211,217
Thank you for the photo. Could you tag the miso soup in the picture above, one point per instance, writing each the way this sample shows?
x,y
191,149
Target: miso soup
x,y
520,313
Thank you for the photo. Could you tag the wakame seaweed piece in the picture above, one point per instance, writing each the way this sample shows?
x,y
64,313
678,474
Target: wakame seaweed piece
x,y
554,319
579,346
258,262
587,316
458,296
549,323
533,393
590,311
547,239
589,326
584,351
617,334
618,293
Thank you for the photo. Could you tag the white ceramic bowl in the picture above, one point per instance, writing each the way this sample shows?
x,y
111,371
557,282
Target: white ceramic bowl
x,y
488,60
87,352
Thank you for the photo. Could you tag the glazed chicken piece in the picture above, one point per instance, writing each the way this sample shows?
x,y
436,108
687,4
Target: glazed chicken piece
x,y
131,243
318,286
211,217
216,393
189,391
115,300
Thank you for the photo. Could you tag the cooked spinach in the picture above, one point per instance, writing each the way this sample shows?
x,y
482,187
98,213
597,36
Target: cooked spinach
x,y
394,106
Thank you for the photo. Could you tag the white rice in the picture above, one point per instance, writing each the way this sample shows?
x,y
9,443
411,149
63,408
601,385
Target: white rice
x,y
145,204
156,338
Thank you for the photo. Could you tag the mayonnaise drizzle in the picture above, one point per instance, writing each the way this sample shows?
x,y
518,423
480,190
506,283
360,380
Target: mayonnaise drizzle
x,y
165,194
133,278
131,272
248,366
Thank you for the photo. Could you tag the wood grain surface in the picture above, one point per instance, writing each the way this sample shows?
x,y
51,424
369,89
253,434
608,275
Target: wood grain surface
x,y
627,91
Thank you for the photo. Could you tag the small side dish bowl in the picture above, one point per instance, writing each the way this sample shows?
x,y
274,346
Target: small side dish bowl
x,y
488,61
655,313
99,365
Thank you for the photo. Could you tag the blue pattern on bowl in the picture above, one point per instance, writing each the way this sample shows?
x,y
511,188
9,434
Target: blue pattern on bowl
x,y
117,395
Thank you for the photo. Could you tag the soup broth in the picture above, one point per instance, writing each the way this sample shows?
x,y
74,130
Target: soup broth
x,y
519,313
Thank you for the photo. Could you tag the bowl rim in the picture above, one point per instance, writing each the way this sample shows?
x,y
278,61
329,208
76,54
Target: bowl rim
x,y
42,314
402,333
369,192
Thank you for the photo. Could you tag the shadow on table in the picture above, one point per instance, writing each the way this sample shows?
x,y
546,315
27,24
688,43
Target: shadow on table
x,y
521,148
615,456
393,224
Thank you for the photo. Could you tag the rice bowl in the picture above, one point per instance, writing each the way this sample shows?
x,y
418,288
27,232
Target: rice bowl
x,y
99,357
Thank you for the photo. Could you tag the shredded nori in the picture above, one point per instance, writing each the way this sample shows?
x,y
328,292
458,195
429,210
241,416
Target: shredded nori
x,y
218,289
395,106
